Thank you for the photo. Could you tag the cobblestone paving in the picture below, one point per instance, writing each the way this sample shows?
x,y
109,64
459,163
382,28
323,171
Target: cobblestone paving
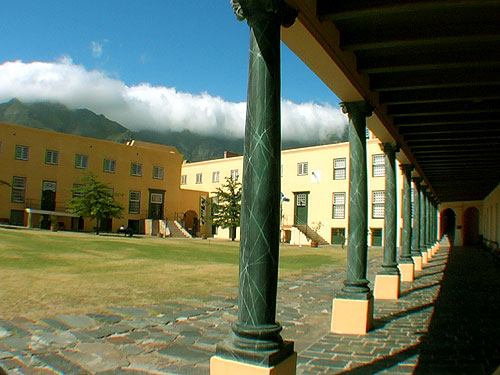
x,y
177,338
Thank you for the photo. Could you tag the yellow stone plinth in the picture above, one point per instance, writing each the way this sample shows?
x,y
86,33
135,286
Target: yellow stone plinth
x,y
418,263
386,287
407,271
425,259
223,366
429,254
352,316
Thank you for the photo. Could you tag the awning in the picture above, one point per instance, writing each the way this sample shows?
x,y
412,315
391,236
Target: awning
x,y
52,213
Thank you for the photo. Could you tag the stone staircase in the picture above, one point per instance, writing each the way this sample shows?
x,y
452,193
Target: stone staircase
x,y
312,234
177,230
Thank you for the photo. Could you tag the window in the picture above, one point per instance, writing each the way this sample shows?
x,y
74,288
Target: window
x,y
302,169
22,152
81,161
235,174
156,198
338,205
215,176
135,169
51,157
109,166
199,178
378,204
76,191
301,200
184,179
339,172
134,202
158,173
18,189
378,165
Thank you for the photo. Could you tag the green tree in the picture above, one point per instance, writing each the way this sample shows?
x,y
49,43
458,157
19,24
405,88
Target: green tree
x,y
227,209
95,200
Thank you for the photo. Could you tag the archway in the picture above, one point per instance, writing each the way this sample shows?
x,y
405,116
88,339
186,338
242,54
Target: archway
x,y
191,222
471,226
448,224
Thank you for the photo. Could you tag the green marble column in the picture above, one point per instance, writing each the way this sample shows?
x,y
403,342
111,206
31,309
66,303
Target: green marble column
x,y
406,207
390,266
256,334
423,218
415,232
429,221
356,283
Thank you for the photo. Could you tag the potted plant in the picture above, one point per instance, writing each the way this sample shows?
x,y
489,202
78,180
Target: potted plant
x,y
315,227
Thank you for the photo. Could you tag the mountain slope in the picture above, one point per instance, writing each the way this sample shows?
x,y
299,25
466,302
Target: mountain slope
x,y
57,117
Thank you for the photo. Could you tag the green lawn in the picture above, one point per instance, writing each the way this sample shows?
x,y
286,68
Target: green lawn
x,y
46,273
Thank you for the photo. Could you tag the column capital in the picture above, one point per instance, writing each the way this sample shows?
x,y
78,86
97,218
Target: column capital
x,y
248,9
389,148
361,107
406,168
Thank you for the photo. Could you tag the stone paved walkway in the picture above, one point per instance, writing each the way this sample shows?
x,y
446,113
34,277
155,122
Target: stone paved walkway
x,y
420,333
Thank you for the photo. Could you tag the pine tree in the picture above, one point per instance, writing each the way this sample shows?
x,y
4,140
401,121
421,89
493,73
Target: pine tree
x,y
227,209
95,200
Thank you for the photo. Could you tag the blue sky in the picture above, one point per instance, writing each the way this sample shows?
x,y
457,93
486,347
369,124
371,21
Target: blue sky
x,y
194,47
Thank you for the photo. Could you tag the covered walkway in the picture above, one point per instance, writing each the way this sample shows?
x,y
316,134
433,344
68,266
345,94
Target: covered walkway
x,y
446,322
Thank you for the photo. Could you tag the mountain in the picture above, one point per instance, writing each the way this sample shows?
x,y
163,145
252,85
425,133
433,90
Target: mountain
x,y
57,117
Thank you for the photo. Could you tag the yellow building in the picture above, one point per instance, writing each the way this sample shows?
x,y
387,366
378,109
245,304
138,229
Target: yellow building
x,y
315,187
43,166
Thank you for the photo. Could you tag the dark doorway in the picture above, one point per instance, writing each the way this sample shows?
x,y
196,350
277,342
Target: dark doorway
x,y
48,201
448,224
191,222
156,199
471,226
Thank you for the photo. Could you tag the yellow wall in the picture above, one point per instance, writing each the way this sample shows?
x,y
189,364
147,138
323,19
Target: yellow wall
x,y
318,182
490,218
176,201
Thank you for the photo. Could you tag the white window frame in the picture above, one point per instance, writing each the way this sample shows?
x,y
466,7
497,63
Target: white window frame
x,y
184,179
199,178
22,153
302,168
18,194
109,165
339,169
77,194
134,202
215,176
378,204
136,169
378,165
158,172
338,205
51,157
81,161
156,198
301,200
235,174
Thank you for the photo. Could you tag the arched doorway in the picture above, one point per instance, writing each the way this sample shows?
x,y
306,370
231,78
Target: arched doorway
x,y
191,222
471,226
448,224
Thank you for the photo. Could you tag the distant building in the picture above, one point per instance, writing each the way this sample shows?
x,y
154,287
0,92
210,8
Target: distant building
x,y
43,166
315,180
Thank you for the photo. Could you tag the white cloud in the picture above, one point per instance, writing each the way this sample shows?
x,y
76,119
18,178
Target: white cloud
x,y
96,49
154,107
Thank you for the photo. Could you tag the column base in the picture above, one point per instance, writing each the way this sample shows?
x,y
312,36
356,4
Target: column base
x,y
417,260
429,254
407,271
223,366
425,259
352,316
386,287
